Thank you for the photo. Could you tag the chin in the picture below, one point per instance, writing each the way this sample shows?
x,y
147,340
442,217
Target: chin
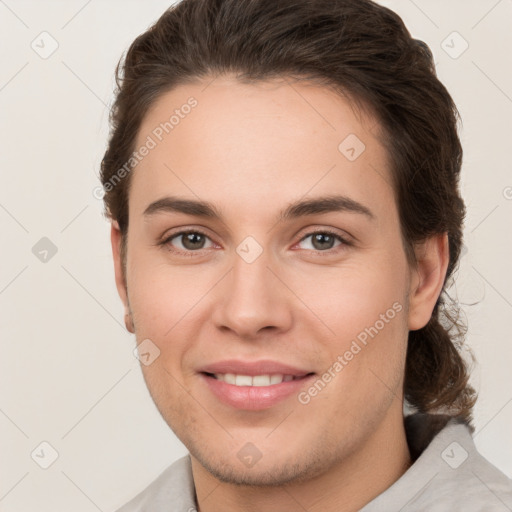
x,y
265,473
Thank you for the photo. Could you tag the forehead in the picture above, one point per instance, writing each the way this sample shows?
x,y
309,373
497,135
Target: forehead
x,y
262,143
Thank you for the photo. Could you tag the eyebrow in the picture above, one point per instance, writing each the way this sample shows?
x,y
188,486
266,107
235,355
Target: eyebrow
x,y
327,204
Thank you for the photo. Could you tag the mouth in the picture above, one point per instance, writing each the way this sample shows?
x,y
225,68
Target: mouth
x,y
255,380
253,386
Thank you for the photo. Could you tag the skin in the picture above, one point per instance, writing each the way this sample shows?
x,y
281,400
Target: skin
x,y
251,150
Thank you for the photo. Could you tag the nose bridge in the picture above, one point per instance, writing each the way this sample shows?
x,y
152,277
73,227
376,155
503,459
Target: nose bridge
x,y
252,297
250,279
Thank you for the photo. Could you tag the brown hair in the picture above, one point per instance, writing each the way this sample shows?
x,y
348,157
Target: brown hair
x,y
362,50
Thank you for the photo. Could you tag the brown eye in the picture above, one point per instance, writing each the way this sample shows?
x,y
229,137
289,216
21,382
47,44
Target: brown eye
x,y
322,241
193,241
186,241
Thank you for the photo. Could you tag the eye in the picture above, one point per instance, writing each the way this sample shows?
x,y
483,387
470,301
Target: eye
x,y
323,241
187,241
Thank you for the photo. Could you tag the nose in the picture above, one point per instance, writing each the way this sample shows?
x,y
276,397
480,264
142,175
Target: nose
x,y
253,299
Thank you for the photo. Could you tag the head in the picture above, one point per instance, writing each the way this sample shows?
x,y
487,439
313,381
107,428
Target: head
x,y
250,112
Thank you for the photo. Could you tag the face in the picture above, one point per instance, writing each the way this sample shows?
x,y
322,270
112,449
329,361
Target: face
x,y
266,267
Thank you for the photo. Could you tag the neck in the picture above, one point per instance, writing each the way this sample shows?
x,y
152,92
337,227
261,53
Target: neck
x,y
353,482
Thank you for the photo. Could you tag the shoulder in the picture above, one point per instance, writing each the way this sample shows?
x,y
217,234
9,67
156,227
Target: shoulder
x,y
448,474
462,478
174,486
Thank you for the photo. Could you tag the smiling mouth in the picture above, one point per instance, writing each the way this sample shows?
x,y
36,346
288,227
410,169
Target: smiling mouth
x,y
255,380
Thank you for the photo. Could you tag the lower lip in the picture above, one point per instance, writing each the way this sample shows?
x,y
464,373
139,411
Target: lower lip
x,y
254,398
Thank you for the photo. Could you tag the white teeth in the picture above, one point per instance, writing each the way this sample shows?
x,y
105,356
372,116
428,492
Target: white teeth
x,y
230,378
256,380
276,379
243,380
261,380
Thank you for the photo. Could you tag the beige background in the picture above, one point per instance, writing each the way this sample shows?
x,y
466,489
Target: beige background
x,y
68,375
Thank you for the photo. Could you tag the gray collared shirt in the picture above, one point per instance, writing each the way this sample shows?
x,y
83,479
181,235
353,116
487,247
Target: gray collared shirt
x,y
447,475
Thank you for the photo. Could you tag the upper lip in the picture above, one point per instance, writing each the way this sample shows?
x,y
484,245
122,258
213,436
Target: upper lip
x,y
252,368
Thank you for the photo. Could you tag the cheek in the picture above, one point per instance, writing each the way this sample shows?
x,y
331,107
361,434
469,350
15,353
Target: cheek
x,y
364,308
350,298
168,305
161,295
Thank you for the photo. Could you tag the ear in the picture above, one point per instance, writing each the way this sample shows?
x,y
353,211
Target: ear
x,y
115,238
427,279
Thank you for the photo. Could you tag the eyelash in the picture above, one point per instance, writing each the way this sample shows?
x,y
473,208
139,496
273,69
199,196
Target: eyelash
x,y
344,242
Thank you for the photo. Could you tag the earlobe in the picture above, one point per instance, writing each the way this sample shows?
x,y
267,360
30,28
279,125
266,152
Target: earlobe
x,y
128,322
427,282
116,239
